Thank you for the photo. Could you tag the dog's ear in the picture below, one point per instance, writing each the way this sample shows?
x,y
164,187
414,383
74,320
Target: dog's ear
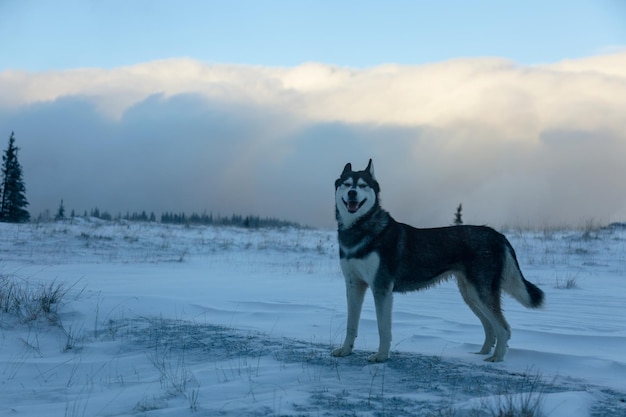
x,y
370,169
347,169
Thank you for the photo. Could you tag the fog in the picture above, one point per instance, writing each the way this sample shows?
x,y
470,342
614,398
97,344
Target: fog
x,y
516,145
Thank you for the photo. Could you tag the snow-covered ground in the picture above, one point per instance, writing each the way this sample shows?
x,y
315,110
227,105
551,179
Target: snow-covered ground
x,y
161,320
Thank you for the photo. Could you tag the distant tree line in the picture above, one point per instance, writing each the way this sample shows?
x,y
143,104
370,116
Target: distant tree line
x,y
250,221
207,219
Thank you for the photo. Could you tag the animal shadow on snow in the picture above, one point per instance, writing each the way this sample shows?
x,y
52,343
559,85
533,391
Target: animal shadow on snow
x,y
344,386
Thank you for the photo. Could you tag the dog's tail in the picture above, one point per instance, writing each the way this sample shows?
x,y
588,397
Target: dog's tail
x,y
514,283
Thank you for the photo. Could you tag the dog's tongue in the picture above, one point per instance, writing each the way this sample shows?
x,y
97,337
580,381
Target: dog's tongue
x,y
353,206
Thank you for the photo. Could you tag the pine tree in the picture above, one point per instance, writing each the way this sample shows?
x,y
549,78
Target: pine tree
x,y
458,219
60,212
13,201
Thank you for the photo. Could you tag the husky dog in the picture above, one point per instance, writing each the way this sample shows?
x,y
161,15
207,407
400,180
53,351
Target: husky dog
x,y
378,252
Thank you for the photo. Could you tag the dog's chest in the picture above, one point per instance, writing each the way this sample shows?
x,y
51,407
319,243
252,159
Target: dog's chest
x,y
364,268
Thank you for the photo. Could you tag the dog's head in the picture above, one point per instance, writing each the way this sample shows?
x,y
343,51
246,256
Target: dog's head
x,y
356,194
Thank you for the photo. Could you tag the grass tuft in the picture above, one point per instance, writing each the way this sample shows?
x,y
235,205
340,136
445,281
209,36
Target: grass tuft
x,y
525,400
30,302
569,282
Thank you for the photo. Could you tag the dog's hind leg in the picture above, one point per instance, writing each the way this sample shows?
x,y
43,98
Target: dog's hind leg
x,y
470,296
383,300
503,334
355,294
489,305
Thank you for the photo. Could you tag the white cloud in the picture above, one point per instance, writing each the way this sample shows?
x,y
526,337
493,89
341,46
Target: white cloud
x,y
515,144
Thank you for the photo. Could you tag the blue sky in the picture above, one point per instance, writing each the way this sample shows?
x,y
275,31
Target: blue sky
x,y
40,35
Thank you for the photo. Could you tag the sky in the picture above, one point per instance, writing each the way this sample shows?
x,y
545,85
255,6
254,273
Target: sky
x,y
514,109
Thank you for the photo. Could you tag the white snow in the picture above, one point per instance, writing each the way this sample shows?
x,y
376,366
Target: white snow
x,y
169,320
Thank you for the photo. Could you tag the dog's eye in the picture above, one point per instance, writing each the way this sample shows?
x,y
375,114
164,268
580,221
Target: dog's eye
x,y
361,186
347,184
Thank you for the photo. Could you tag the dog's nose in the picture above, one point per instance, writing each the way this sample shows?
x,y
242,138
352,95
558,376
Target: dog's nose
x,y
352,194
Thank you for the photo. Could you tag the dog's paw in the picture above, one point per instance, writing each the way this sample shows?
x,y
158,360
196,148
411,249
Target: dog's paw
x,y
341,351
377,358
494,358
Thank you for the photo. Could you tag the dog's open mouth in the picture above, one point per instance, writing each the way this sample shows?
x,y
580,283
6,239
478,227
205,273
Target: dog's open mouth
x,y
353,206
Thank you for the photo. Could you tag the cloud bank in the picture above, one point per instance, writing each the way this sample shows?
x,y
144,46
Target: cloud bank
x,y
517,145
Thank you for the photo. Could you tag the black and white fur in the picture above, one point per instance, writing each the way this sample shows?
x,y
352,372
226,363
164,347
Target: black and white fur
x,y
387,256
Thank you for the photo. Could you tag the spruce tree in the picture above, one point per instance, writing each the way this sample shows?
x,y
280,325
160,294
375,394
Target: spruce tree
x,y
458,216
60,212
13,201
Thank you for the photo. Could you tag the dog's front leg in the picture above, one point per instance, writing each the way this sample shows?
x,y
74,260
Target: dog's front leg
x,y
355,294
383,299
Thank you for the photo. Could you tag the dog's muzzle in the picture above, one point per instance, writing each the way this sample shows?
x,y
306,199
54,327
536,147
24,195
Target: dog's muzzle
x,y
353,205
